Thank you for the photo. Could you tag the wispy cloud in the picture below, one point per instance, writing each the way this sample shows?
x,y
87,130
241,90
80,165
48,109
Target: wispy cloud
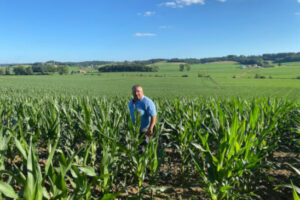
x,y
298,1
147,13
165,27
169,4
144,35
182,3
297,13
226,0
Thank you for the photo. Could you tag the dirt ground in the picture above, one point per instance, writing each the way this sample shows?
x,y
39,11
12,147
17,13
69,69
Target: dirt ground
x,y
185,187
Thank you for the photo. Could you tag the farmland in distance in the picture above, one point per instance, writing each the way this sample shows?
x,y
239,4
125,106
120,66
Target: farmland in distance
x,y
279,82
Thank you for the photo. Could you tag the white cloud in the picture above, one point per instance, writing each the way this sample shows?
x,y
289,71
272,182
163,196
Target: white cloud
x,y
182,3
297,13
147,13
298,1
169,4
144,35
165,27
225,0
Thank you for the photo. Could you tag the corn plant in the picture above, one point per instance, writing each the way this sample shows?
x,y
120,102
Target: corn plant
x,y
240,141
59,147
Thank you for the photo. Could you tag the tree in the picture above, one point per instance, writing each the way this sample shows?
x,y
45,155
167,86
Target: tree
x,y
29,71
181,67
127,67
63,69
188,67
7,71
19,70
1,71
38,68
50,68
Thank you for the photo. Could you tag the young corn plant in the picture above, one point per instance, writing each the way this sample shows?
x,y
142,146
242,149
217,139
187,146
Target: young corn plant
x,y
183,119
229,152
38,180
31,182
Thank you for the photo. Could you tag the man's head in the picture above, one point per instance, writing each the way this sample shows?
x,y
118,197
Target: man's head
x,y
137,92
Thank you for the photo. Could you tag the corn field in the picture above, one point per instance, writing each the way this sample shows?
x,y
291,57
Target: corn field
x,y
88,148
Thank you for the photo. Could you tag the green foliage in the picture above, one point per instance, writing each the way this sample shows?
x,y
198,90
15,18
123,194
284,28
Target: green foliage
x,y
7,71
259,76
184,66
20,70
239,141
127,67
39,70
188,67
112,84
63,69
88,148
181,67
44,69
247,60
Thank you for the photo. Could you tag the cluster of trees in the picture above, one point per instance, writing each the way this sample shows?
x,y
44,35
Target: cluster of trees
x,y
35,70
262,60
184,66
74,64
185,60
149,62
4,71
50,67
248,60
127,67
282,57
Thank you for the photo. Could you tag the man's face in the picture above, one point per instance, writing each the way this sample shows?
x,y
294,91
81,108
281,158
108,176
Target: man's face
x,y
137,93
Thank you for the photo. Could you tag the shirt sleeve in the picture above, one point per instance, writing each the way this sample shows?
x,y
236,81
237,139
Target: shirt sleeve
x,y
151,108
131,110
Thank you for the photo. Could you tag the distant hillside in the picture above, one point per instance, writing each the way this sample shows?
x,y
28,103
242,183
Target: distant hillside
x,y
245,60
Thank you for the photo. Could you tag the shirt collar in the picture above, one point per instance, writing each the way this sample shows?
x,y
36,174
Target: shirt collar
x,y
134,101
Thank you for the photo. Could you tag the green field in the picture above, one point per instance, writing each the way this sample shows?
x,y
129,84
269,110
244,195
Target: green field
x,y
167,82
88,148
207,144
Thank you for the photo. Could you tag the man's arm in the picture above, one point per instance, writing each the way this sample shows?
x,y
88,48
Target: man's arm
x,y
152,124
152,113
131,110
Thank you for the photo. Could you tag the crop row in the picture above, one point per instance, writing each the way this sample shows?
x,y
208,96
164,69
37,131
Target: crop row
x,y
81,148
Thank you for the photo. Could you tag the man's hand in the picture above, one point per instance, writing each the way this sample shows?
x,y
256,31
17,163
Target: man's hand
x,y
149,132
152,123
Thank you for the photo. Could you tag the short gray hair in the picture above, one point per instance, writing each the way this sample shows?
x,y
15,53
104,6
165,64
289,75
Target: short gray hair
x,y
136,86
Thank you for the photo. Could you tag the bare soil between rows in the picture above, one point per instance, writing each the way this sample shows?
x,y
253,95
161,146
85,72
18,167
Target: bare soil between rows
x,y
188,185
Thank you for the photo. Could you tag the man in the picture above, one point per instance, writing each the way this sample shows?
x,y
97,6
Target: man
x,y
146,108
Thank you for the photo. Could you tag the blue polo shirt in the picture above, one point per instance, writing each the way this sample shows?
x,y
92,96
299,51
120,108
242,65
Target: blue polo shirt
x,y
146,108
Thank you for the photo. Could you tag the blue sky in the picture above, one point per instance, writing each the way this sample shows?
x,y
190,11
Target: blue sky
x,y
79,30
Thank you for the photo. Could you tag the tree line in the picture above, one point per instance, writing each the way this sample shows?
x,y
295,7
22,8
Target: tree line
x,y
35,70
261,60
73,64
127,67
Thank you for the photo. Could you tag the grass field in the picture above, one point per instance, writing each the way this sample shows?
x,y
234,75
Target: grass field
x,y
167,82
